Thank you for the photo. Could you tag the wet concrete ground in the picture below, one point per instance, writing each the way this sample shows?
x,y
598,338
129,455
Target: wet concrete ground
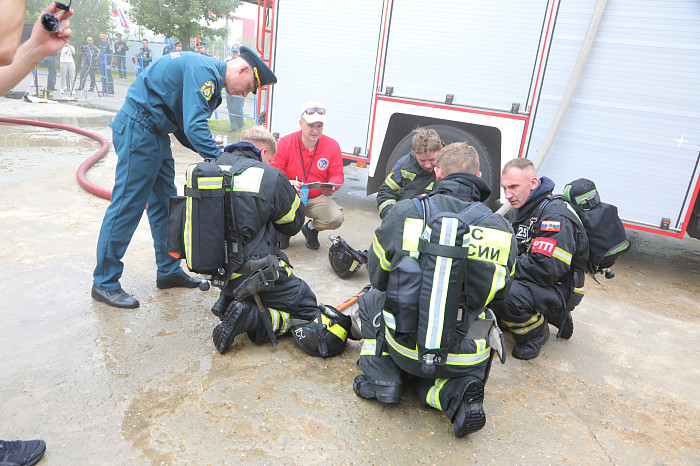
x,y
146,386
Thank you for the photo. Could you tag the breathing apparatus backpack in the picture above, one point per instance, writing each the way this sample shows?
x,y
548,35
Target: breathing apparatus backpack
x,y
201,228
607,239
426,292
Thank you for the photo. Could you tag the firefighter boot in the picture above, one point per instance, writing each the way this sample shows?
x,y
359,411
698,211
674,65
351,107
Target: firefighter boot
x,y
466,412
384,392
528,346
220,306
240,316
566,328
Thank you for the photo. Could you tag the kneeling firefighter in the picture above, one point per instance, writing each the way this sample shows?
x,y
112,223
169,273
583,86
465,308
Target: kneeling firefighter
x,y
259,294
435,264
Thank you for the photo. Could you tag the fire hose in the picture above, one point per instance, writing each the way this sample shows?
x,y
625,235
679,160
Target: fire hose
x,y
85,166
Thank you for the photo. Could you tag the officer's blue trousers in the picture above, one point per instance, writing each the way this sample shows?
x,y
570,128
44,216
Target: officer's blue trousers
x,y
145,174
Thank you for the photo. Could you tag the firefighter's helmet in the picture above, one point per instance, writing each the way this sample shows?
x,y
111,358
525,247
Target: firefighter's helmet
x,y
344,259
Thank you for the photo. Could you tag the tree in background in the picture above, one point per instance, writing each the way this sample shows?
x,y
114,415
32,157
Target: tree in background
x,y
182,19
90,17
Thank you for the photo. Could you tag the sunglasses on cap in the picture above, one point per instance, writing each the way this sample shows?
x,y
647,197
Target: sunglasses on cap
x,y
312,110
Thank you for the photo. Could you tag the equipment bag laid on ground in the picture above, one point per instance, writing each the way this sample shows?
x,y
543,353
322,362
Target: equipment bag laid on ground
x,y
607,239
426,291
196,220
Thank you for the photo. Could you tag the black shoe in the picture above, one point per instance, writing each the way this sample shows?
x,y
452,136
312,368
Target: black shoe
x,y
311,236
21,452
530,348
91,89
284,241
179,281
384,392
220,306
80,89
117,298
470,415
239,317
566,330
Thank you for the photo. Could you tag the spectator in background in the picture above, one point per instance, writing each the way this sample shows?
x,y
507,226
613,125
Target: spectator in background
x,y
120,49
88,63
178,46
168,48
106,65
202,48
234,103
67,66
143,58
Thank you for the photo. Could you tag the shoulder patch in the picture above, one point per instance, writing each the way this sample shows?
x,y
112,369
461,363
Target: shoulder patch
x,y
174,55
207,89
550,225
544,246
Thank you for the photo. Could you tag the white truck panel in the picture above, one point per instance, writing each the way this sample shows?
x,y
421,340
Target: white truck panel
x,y
634,122
483,53
326,51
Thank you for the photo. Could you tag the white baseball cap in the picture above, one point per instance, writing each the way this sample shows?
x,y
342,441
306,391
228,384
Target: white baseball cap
x,y
313,112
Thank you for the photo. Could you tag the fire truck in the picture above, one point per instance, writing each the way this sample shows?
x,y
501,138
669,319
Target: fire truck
x,y
605,90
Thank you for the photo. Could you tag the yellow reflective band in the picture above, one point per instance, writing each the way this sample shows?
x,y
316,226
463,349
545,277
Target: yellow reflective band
x,y
335,329
430,186
257,78
210,182
497,283
453,359
389,319
369,347
248,181
381,255
489,245
525,327
433,396
188,218
391,183
280,321
580,291
386,204
562,255
407,174
412,228
290,215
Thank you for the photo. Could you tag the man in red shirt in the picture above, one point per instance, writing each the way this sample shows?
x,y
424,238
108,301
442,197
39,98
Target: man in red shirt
x,y
308,156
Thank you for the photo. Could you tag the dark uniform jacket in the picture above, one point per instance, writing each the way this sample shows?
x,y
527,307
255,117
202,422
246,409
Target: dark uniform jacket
x,y
406,181
145,56
262,199
92,55
488,275
557,239
105,53
120,48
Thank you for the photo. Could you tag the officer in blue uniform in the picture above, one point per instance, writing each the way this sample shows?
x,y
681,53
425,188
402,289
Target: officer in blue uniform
x,y
175,95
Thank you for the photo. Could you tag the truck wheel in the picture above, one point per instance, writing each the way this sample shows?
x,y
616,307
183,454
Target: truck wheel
x,y
450,134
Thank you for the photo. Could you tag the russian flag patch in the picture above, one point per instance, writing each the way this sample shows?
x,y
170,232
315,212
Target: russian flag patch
x,y
550,225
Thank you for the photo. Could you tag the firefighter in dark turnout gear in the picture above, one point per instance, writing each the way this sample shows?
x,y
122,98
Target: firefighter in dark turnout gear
x,y
262,205
546,284
413,174
457,386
